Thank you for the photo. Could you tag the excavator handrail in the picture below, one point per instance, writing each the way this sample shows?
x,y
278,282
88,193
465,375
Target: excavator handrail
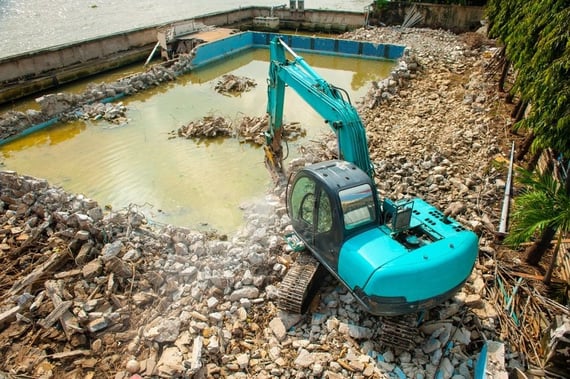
x,y
324,98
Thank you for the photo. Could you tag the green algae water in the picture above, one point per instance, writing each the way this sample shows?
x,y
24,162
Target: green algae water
x,y
194,183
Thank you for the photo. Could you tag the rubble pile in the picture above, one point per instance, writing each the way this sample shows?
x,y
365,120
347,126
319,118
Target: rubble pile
x,y
14,122
88,293
249,129
112,112
92,104
91,294
252,129
207,127
230,84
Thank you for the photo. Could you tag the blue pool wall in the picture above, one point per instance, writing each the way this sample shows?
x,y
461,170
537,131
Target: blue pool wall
x,y
220,49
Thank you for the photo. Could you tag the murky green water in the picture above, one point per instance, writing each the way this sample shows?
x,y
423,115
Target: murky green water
x,y
178,181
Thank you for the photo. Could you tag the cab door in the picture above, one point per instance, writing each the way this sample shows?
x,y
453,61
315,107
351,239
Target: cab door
x,y
315,219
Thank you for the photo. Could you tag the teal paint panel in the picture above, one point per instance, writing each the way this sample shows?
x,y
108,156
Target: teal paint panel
x,y
325,44
222,48
349,47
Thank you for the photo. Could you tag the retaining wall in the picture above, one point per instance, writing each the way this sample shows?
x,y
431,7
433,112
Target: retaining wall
x,y
457,18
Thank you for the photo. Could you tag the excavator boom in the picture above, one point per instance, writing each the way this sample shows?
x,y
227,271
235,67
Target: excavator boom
x,y
325,99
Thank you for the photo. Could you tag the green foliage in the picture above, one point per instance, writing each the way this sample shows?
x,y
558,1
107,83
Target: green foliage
x,y
458,2
543,203
536,34
380,4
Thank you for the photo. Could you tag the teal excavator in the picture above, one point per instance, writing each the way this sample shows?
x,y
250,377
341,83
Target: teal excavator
x,y
395,257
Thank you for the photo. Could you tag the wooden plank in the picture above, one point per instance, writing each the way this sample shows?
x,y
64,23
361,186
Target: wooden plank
x,y
67,274
9,315
56,314
68,354
54,261
67,319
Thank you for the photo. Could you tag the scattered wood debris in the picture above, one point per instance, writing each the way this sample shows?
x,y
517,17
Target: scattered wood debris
x,y
249,129
525,313
252,129
234,85
207,127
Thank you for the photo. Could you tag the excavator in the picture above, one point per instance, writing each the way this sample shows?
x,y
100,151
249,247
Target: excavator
x,y
395,257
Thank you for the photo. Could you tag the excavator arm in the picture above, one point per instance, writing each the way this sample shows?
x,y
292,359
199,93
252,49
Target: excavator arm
x,y
326,99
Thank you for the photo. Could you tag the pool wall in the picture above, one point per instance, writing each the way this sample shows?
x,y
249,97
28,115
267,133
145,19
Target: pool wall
x,y
220,49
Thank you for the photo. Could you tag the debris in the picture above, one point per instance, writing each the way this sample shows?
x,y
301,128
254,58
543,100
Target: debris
x,y
208,127
230,84
556,343
249,129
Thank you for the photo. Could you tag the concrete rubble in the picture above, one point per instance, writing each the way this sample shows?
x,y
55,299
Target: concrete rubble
x,y
92,104
88,293
207,127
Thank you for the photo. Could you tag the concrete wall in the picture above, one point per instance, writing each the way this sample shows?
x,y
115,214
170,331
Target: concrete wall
x,y
231,17
289,19
452,17
46,61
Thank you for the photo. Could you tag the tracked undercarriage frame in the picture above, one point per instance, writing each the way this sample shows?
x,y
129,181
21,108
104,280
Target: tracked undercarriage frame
x,y
300,284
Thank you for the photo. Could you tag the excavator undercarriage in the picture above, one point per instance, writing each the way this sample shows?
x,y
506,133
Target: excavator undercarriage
x,y
300,284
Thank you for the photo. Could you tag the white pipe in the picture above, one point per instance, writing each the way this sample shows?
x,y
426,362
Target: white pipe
x,y
152,53
507,198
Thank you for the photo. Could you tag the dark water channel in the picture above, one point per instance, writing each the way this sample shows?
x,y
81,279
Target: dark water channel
x,y
199,184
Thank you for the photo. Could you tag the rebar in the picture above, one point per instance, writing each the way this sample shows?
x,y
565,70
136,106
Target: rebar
x,y
413,16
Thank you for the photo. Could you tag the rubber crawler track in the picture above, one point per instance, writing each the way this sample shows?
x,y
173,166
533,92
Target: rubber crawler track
x,y
296,288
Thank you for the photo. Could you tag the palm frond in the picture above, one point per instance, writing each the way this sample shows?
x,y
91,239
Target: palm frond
x,y
542,203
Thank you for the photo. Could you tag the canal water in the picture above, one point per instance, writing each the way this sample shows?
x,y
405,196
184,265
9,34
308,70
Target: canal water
x,y
198,184
27,25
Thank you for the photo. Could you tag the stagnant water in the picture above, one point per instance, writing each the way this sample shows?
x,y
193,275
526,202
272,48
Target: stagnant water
x,y
199,184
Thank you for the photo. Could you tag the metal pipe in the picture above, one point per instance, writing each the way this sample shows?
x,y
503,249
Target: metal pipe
x,y
507,198
152,53
288,49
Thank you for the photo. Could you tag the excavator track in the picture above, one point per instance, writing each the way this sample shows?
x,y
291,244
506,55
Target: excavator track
x,y
298,286
398,333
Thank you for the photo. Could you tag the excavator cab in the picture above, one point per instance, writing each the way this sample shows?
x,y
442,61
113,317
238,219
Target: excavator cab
x,y
380,253
329,202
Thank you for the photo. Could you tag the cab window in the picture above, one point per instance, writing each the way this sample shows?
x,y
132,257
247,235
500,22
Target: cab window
x,y
324,223
357,206
303,200
307,202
